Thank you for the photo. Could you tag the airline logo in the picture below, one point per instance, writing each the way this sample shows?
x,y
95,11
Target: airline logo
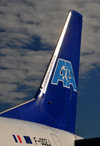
x,y
64,73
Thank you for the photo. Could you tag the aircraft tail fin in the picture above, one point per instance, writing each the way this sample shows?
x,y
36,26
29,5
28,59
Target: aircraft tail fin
x,y
55,103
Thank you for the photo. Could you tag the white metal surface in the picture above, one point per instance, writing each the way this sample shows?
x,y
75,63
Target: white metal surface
x,y
40,135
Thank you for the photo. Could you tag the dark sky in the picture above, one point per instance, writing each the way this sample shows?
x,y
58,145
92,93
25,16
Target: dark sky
x,y
88,105
28,34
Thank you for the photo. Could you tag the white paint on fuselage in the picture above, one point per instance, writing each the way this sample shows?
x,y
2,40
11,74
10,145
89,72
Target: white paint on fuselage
x,y
36,132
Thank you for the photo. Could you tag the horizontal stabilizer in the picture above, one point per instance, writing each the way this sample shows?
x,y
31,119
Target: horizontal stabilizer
x,y
88,142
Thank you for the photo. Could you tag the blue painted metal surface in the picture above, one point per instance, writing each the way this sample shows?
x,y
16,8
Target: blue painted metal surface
x,y
57,106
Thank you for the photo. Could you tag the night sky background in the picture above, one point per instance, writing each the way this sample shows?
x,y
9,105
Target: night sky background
x,y
29,30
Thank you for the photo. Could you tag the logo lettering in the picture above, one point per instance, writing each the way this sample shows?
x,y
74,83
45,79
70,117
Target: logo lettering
x,y
64,73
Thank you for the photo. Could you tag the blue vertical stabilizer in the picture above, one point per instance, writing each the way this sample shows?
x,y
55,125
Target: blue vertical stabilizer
x,y
55,102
